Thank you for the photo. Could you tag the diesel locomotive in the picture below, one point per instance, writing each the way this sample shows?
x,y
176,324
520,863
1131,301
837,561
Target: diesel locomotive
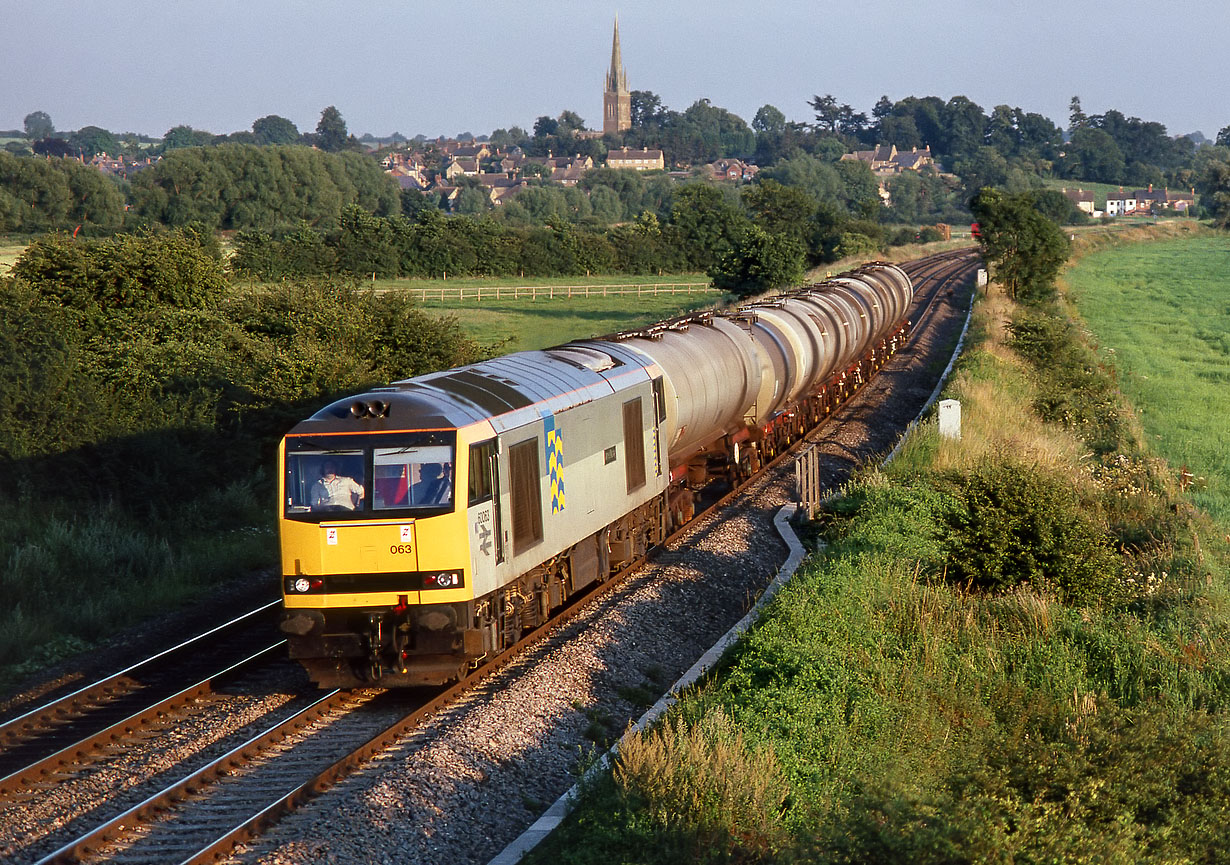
x,y
427,525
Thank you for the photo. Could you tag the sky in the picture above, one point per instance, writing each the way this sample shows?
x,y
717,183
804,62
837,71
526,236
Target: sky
x,y
472,66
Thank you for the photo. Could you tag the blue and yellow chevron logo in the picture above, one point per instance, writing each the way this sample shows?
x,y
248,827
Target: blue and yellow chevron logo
x,y
555,463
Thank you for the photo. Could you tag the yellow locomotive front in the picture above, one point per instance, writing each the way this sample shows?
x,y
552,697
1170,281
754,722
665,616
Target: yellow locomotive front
x,y
377,578
426,525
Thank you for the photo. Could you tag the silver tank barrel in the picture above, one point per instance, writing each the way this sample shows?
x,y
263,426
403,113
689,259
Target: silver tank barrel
x,y
712,373
726,371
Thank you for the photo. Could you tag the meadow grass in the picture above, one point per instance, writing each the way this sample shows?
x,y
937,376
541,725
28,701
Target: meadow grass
x,y
519,324
1159,314
9,253
76,578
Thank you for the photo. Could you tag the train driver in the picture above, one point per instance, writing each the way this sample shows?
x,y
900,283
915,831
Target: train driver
x,y
434,486
334,492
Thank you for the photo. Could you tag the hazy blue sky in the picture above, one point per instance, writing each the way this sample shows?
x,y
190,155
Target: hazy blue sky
x,y
470,66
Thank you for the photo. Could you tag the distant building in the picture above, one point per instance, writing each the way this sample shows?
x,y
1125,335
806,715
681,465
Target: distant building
x,y
885,159
732,170
1153,201
617,98
637,160
1082,198
1120,203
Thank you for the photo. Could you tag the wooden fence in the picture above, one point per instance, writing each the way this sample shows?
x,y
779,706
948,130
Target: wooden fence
x,y
550,292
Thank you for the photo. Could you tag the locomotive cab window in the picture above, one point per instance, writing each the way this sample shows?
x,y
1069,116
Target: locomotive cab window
x,y
409,475
482,462
412,477
324,481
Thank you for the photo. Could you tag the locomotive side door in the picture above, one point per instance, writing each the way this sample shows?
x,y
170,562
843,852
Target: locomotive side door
x,y
483,515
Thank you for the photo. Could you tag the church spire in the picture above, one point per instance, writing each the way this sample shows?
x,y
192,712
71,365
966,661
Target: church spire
x,y
617,99
616,78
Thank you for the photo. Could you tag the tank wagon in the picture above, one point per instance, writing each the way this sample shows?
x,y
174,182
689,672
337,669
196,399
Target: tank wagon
x,y
428,524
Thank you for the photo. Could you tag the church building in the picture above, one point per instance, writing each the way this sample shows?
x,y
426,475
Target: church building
x,y
617,98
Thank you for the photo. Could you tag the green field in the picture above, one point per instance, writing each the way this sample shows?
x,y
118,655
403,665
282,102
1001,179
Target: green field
x,y
9,253
1160,312
524,323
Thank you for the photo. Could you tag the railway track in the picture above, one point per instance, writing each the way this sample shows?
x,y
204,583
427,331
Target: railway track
x,y
204,813
46,738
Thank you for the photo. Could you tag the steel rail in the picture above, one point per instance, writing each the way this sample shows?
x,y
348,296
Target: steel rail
x,y
62,761
30,737
60,703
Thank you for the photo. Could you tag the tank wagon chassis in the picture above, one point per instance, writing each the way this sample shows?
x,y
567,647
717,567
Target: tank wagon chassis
x,y
706,402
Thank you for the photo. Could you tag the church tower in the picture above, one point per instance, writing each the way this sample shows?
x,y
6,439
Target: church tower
x,y
617,100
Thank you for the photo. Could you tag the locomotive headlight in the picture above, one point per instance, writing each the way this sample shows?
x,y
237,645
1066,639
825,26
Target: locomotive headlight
x,y
302,585
442,580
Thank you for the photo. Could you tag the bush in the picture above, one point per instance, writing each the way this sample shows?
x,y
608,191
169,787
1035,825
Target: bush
x,y
1021,525
760,262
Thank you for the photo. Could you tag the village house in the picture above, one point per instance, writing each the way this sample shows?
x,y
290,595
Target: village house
x,y
501,187
1083,199
637,160
118,166
885,159
1150,201
1120,203
564,169
733,170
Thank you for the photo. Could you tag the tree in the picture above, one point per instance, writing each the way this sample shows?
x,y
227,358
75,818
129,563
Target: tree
x,y
837,119
569,123
1025,248
708,224
782,210
272,129
545,126
331,135
186,136
769,119
1213,183
963,128
38,125
93,140
759,262
1057,207
1223,137
647,109
1092,154
52,147
1076,117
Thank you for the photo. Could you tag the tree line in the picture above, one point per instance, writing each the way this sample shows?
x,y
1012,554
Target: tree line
x,y
266,179
820,217
133,370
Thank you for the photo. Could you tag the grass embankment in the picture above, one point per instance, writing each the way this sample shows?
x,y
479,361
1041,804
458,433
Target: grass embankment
x,y
1013,650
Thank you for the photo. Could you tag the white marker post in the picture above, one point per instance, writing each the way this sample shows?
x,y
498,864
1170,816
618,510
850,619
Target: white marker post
x,y
950,419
